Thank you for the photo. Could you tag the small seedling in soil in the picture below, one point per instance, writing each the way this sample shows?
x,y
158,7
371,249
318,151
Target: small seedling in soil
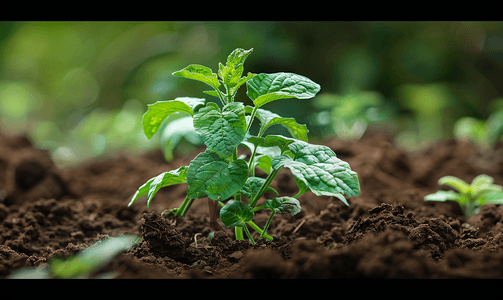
x,y
82,264
470,197
224,176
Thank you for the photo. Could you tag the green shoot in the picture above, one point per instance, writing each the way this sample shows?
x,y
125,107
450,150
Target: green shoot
x,y
469,196
82,264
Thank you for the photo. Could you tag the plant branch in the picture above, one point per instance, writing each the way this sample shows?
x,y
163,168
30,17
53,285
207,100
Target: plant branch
x,y
180,213
264,186
257,229
267,224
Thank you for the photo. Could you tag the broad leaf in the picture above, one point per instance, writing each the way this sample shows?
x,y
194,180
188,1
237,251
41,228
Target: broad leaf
x,y
160,110
199,73
267,118
210,175
492,197
91,258
154,184
264,88
174,131
320,169
252,187
212,93
442,196
456,183
272,141
222,131
284,205
483,184
236,213
495,127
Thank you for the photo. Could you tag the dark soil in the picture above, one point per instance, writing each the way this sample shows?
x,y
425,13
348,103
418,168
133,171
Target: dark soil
x,y
387,232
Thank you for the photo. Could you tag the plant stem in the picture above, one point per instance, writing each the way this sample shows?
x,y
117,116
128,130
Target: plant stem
x,y
267,224
252,116
257,229
239,233
264,186
248,234
180,213
222,97
251,166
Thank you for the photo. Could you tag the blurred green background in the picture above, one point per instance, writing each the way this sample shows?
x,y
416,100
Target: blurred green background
x,y
79,89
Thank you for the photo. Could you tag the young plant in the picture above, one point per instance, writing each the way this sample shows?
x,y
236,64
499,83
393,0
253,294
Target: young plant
x,y
224,176
469,196
483,133
83,263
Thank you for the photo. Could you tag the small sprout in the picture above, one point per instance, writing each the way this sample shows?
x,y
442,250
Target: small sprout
x,y
82,264
469,196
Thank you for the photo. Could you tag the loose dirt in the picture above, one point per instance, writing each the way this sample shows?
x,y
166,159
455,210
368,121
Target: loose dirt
x,y
389,231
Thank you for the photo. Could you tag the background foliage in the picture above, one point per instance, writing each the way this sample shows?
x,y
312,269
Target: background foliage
x,y
79,89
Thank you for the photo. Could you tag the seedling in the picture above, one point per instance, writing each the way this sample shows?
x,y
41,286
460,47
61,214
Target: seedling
x,y
82,264
470,197
483,133
222,175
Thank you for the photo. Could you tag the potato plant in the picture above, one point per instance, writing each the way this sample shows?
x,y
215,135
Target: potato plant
x,y
224,176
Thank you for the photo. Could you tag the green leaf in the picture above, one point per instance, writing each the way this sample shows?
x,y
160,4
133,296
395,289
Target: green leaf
x,y
210,175
160,110
494,127
174,131
267,119
91,258
152,186
456,183
492,197
320,169
284,205
303,188
264,88
483,184
233,69
252,187
222,131
199,73
236,213
442,196
272,141
240,82
212,93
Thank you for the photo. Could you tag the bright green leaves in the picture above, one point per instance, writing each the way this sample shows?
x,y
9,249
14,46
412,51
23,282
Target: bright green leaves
x,y
264,88
154,184
236,214
267,119
210,175
160,110
252,187
220,172
284,205
469,196
82,264
222,131
230,74
320,170
199,73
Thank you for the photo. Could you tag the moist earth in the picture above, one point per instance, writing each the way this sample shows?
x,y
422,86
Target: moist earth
x,y
389,231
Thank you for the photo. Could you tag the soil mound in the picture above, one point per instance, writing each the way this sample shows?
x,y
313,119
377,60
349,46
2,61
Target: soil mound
x,y
389,231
